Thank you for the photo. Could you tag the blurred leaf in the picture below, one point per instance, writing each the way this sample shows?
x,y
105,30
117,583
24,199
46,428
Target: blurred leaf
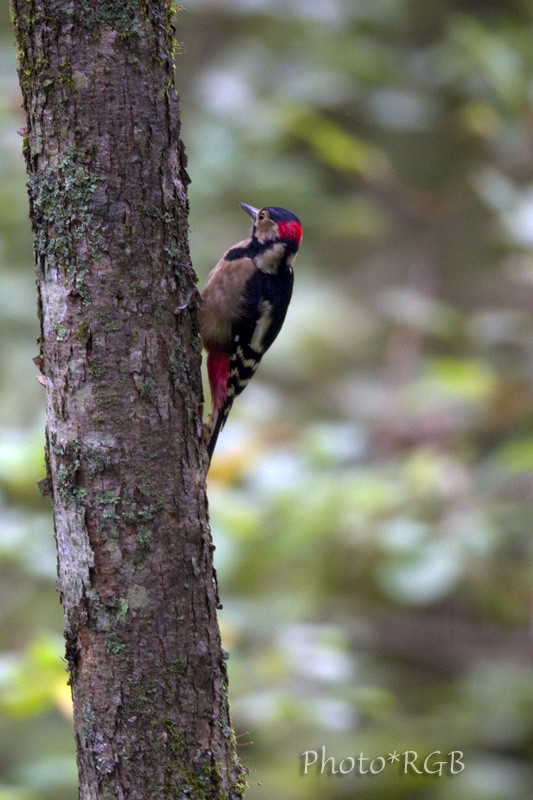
x,y
35,681
326,444
50,774
496,59
433,473
516,457
423,575
15,793
336,147
22,464
470,381
419,311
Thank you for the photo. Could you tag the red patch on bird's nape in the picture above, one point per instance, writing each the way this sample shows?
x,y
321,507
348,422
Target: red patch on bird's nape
x,y
218,372
290,230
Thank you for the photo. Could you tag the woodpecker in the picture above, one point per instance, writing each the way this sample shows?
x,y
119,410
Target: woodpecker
x,y
244,304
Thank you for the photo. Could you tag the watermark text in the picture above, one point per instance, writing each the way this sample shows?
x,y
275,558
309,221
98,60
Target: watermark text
x,y
407,761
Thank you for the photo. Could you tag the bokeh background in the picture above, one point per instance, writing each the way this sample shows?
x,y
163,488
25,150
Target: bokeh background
x,y
372,494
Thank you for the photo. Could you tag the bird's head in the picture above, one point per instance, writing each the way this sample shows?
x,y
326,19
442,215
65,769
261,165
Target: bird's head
x,y
275,224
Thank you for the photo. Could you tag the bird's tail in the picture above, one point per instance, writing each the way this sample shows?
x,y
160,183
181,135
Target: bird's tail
x,y
214,424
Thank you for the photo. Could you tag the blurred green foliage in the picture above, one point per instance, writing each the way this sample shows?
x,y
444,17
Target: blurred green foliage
x,y
372,494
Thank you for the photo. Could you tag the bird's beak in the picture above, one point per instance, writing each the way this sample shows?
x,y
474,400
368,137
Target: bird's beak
x,y
250,210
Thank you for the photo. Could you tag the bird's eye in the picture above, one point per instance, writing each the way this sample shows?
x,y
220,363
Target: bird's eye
x,y
261,216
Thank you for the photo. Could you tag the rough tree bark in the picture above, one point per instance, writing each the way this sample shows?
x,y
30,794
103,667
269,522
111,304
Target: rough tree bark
x,y
120,352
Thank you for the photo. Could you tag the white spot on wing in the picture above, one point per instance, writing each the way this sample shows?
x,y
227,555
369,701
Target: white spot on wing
x,y
262,326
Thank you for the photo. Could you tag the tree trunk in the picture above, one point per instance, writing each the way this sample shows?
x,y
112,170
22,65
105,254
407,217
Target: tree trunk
x,y
120,352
